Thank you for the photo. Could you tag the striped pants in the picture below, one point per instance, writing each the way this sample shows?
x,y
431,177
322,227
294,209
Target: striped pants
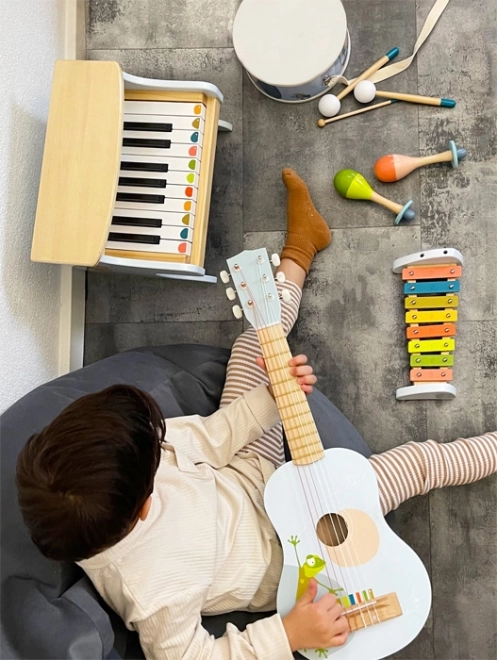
x,y
411,469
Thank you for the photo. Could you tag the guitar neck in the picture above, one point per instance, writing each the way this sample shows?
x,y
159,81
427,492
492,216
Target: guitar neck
x,y
298,422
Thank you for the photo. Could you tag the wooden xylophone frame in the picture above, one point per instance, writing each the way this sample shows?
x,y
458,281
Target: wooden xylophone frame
x,y
431,313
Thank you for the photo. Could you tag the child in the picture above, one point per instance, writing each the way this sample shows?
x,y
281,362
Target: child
x,y
167,517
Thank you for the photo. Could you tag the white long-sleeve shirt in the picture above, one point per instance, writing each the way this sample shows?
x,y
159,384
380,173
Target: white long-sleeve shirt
x,y
206,545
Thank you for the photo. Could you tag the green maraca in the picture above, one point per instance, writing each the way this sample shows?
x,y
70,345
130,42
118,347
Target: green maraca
x,y
352,185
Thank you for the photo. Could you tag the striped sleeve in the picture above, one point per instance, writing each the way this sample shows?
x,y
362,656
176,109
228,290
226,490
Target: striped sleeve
x,y
173,634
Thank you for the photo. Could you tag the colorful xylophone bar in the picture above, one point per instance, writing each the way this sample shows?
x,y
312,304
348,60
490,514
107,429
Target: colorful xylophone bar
x,y
431,288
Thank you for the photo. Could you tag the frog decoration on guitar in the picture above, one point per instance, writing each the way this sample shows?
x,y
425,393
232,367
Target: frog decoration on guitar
x,y
313,565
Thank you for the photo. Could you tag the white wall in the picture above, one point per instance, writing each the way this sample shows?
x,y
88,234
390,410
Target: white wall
x,y
31,38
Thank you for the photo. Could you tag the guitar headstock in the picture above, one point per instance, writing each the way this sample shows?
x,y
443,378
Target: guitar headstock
x,y
253,279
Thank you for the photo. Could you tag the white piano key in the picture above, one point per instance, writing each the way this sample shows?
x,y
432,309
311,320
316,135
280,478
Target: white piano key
x,y
176,121
165,246
171,178
165,108
177,192
175,150
176,219
167,231
170,205
173,164
175,137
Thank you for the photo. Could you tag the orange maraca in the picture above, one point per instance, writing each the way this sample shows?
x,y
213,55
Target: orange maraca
x,y
395,167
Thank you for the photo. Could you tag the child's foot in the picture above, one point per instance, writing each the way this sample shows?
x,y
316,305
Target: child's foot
x,y
307,231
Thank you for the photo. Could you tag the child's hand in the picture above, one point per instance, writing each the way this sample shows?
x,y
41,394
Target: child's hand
x,y
300,369
316,624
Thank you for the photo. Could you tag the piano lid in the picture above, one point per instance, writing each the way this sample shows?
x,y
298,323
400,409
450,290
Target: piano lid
x,y
80,163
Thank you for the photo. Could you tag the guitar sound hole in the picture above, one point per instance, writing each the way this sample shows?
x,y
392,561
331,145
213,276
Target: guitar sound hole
x,y
332,529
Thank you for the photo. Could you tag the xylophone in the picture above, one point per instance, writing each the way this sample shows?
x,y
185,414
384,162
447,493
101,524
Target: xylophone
x,y
431,287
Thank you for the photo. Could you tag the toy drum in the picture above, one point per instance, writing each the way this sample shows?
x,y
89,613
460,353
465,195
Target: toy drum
x,y
292,49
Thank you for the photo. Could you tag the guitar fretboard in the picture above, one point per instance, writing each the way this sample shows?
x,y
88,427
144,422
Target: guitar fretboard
x,y
298,422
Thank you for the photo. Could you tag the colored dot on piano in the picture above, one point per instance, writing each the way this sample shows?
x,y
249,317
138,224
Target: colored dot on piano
x,y
182,248
197,109
194,137
184,233
187,206
192,164
190,178
196,123
189,191
192,151
186,219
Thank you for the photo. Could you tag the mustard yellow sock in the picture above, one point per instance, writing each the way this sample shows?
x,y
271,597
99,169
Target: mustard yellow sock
x,y
307,231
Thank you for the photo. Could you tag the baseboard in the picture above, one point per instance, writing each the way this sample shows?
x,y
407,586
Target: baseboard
x,y
75,30
72,280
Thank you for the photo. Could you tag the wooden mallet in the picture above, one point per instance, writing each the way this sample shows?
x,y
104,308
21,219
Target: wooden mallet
x,y
322,122
366,91
329,104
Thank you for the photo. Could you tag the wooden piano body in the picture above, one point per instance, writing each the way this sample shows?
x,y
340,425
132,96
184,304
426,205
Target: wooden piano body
x,y
127,172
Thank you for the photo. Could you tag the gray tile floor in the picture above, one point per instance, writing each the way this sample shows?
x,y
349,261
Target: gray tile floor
x,y
351,320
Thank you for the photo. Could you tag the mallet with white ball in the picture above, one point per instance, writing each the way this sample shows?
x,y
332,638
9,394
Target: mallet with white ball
x,y
366,91
329,104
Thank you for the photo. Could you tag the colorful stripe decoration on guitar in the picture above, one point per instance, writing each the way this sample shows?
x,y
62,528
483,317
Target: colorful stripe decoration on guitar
x,y
324,504
431,288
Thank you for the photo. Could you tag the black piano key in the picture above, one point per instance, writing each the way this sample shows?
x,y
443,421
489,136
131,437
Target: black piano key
x,y
145,167
140,197
146,143
134,238
142,126
142,183
136,222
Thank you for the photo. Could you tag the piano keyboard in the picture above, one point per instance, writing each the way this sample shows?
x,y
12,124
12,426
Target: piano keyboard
x,y
158,178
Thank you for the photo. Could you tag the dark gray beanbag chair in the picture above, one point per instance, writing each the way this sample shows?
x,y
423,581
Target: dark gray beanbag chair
x,y
51,610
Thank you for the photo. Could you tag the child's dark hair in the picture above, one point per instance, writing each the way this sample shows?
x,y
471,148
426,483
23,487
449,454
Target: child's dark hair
x,y
84,478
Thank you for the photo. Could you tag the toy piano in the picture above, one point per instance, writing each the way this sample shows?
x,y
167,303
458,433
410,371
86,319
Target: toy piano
x,y
431,288
127,172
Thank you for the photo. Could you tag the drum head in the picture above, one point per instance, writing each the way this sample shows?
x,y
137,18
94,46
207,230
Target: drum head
x,y
289,42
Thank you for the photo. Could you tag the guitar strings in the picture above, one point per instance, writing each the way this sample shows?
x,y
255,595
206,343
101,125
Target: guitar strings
x,y
309,468
314,467
308,473
291,395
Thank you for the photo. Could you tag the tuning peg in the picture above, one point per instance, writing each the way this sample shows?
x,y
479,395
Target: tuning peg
x,y
275,260
225,276
237,311
286,295
230,293
280,276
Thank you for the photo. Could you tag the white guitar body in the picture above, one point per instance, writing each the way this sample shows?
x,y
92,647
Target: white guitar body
x,y
325,505
344,482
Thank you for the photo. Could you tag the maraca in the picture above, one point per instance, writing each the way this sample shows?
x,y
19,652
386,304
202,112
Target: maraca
x,y
395,167
366,91
352,185
329,104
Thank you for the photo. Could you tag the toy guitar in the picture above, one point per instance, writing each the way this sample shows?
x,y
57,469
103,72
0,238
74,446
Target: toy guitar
x,y
324,504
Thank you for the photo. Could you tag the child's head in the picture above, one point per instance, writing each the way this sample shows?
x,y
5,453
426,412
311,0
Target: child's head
x,y
83,480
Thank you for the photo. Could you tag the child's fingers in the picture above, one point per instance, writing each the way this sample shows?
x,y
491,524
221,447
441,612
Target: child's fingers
x,y
298,360
306,388
311,379
260,363
303,370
